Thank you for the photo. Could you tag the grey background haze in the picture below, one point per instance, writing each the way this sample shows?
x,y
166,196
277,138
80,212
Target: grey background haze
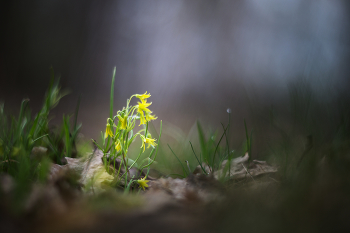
x,y
196,58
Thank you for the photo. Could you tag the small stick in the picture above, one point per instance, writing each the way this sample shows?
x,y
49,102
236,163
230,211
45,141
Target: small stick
x,y
188,166
248,172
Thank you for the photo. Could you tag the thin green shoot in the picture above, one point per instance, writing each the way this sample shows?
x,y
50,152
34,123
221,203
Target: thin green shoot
x,y
111,101
67,136
217,146
155,156
202,141
198,159
183,168
126,190
140,150
34,140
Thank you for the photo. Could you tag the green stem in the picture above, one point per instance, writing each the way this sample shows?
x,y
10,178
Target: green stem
x,y
200,164
217,146
140,150
155,156
178,160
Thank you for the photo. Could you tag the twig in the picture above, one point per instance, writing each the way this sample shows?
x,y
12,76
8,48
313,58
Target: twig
x,y
188,166
248,172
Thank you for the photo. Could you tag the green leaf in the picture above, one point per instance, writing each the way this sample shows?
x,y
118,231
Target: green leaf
x,y
202,141
112,95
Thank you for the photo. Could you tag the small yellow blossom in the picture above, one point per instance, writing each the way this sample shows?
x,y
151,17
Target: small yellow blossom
x,y
123,122
141,108
118,146
150,117
142,119
149,141
143,183
108,131
143,96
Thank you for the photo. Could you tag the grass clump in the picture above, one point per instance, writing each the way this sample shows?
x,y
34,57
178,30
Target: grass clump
x,y
28,146
213,150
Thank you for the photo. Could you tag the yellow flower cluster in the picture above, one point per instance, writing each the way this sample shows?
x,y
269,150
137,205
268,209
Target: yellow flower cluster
x,y
120,134
142,109
126,123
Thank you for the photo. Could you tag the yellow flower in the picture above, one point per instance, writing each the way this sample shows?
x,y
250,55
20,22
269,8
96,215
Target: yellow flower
x,y
142,119
143,183
149,141
141,108
150,117
143,96
108,131
118,146
123,122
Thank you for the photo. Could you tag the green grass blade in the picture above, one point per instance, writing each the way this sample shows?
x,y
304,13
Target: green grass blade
x,y
96,144
227,145
40,137
228,131
21,113
112,95
183,168
202,141
126,191
217,146
155,156
200,164
111,99
33,129
67,136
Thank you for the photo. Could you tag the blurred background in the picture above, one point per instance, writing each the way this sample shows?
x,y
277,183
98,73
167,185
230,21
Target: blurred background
x,y
197,58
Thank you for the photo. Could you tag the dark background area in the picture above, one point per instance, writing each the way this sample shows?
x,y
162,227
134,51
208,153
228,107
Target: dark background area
x,y
196,58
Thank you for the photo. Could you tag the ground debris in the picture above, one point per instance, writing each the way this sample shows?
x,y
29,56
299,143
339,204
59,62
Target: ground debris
x,y
240,168
194,189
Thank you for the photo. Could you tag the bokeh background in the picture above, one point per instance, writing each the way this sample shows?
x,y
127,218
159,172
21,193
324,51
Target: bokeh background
x,y
197,58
